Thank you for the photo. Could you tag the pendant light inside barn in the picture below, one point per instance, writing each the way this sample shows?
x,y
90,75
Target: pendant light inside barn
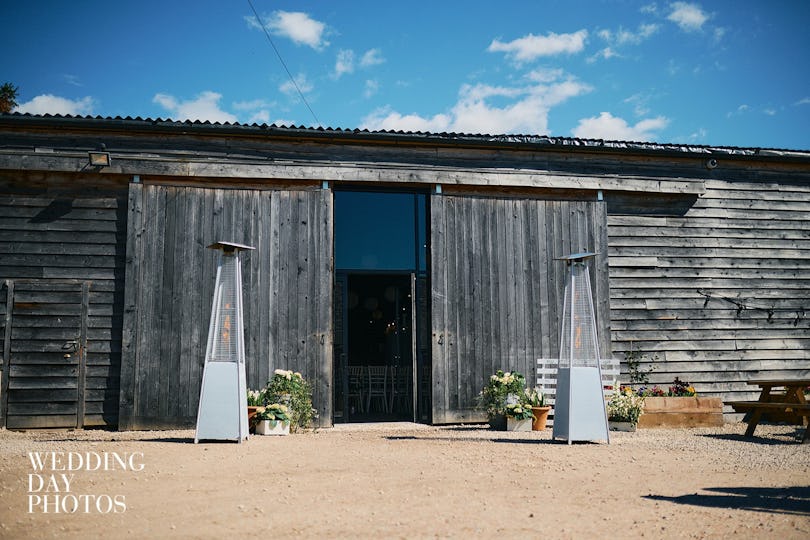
x,y
579,409
222,412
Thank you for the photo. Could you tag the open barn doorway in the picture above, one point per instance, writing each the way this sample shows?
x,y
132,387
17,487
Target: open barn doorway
x,y
381,359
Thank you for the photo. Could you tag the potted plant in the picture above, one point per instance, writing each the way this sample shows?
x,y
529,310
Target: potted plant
x,y
624,409
519,417
255,400
537,401
273,420
501,388
290,389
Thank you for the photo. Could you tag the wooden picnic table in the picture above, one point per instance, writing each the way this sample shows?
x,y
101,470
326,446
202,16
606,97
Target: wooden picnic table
x,y
792,399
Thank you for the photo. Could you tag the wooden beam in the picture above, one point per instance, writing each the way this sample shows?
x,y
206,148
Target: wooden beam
x,y
351,171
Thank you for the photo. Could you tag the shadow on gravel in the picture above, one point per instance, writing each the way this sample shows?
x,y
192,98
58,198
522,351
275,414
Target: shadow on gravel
x,y
477,428
467,439
793,500
773,440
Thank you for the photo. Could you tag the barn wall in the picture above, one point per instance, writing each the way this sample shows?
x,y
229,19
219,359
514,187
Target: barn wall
x,y
62,243
170,280
496,289
714,289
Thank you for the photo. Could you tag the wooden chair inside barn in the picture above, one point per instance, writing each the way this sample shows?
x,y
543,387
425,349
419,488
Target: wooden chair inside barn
x,y
400,390
356,393
377,389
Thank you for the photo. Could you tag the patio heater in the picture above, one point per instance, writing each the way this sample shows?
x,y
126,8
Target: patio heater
x,y
579,407
222,413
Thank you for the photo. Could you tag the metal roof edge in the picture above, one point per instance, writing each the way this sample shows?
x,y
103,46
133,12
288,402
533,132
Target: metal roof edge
x,y
394,137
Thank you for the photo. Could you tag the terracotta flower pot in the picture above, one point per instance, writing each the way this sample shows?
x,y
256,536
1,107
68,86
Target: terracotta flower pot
x,y
540,418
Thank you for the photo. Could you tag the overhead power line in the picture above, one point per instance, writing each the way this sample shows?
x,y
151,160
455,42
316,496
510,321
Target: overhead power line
x,y
292,79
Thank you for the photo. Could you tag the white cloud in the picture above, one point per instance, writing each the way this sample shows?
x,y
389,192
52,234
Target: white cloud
x,y
261,116
72,80
384,119
372,57
605,54
639,102
258,110
531,47
698,136
295,25
770,111
303,84
545,75
371,88
627,37
689,17
742,109
205,107
251,105
803,101
607,126
50,104
344,63
521,109
650,9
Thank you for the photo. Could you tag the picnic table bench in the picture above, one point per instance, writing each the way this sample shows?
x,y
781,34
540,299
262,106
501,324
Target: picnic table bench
x,y
791,400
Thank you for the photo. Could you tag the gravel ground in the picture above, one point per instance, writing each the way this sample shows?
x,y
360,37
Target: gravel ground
x,y
411,481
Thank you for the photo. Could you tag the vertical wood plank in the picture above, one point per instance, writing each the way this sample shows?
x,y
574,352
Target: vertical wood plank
x,y
438,284
9,297
129,336
82,360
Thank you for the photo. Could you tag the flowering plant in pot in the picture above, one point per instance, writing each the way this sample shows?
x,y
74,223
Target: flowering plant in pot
x,y
291,389
537,401
500,388
273,420
681,389
519,417
625,407
255,401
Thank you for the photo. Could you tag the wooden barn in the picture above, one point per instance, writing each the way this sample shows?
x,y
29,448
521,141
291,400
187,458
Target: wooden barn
x,y
429,255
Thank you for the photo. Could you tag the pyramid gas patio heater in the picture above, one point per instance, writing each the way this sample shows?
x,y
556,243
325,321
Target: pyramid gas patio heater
x,y
222,413
579,407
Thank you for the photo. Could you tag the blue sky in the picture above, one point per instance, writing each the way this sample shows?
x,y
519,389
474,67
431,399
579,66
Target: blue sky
x,y
724,73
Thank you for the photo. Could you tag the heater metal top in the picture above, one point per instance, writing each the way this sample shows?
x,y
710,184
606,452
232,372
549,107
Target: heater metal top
x,y
229,246
577,257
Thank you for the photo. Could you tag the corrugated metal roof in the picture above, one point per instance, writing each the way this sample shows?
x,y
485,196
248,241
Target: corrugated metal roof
x,y
405,136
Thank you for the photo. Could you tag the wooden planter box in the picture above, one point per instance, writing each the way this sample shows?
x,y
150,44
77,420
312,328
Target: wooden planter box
x,y
678,412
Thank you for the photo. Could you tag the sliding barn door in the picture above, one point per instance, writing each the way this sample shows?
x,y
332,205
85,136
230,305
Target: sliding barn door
x,y
496,289
287,284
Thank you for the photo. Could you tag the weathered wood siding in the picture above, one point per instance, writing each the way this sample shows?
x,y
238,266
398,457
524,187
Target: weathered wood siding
x,y
496,288
62,242
716,289
287,284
